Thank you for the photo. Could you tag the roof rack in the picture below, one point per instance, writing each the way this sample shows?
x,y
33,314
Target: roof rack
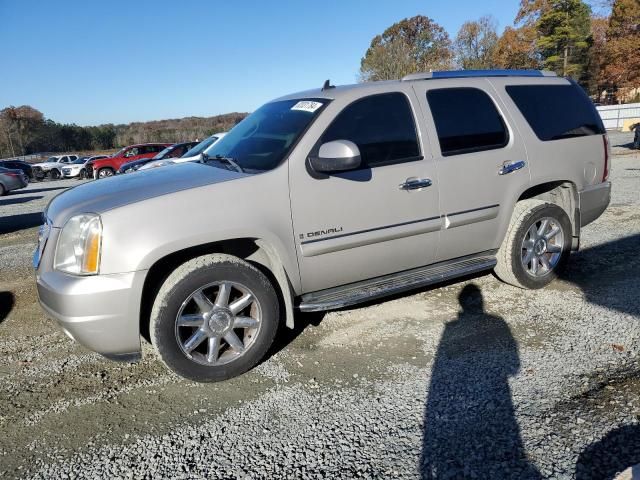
x,y
477,73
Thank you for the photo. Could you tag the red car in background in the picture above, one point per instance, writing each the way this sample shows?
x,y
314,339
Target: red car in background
x,y
106,167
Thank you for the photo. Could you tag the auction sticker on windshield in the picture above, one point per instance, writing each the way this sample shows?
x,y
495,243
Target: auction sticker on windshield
x,y
307,106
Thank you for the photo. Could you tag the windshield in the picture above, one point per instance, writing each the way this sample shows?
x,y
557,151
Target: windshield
x,y
162,153
201,147
262,140
52,159
80,161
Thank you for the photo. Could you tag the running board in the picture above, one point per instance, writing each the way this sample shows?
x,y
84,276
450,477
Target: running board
x,y
378,287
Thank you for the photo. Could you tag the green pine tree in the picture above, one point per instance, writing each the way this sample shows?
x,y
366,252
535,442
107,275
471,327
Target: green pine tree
x,y
564,37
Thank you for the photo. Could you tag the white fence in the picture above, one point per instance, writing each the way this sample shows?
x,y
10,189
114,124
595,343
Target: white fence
x,y
613,116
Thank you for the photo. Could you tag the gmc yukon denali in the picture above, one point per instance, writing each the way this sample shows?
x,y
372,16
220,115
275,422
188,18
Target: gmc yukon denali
x,y
320,200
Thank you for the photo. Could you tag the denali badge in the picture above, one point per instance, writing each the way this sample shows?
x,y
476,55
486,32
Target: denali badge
x,y
320,233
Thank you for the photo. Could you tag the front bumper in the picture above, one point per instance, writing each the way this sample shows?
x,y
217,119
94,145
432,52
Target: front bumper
x,y
594,200
100,312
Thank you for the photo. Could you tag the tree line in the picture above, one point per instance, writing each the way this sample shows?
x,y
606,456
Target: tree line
x,y
25,130
601,51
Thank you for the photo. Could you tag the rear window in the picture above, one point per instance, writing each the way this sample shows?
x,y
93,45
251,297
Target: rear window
x,y
466,121
555,112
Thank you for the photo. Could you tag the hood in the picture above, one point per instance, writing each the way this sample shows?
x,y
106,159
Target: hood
x,y
106,194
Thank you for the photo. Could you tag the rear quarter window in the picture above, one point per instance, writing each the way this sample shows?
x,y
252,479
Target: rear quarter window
x,y
555,112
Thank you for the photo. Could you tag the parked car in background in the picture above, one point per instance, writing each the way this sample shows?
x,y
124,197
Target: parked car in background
x,y
53,166
340,196
107,167
168,154
75,169
18,165
12,179
193,155
636,135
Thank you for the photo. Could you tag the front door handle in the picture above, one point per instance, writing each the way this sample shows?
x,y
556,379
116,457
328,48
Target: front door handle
x,y
415,183
511,167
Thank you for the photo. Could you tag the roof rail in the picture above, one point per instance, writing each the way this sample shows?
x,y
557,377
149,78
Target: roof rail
x,y
477,73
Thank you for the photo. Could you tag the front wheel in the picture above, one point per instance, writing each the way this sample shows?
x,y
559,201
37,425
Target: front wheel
x,y
54,174
214,318
536,246
105,172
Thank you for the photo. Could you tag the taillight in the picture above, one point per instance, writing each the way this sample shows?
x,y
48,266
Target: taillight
x,y
605,173
9,174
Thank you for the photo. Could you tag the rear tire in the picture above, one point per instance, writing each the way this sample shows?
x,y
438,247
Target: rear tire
x,y
537,245
214,318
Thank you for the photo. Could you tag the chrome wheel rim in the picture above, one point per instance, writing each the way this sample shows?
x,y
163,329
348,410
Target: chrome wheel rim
x,y
542,247
218,323
105,173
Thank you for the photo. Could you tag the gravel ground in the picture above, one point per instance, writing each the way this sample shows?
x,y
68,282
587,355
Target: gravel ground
x,y
474,379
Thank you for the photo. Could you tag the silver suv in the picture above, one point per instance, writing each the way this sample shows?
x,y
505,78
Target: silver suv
x,y
324,199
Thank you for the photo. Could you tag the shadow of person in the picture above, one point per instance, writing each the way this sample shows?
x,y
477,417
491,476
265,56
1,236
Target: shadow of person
x,y
7,300
470,429
617,451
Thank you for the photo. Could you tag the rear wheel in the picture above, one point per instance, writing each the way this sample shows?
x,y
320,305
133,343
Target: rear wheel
x,y
105,172
536,246
214,318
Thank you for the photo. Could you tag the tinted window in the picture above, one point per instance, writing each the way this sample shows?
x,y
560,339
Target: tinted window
x,y
466,121
557,111
381,125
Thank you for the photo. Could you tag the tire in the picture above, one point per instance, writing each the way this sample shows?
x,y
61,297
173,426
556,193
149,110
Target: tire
x,y
54,174
522,249
187,349
82,175
105,172
3,191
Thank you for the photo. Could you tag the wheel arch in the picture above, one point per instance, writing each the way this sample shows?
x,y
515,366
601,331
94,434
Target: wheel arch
x,y
253,250
563,193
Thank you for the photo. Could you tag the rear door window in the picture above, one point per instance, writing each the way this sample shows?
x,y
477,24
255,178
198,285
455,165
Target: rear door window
x,y
555,112
382,126
466,121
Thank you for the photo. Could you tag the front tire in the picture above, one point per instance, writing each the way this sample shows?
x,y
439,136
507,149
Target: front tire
x,y
105,172
537,245
214,318
54,174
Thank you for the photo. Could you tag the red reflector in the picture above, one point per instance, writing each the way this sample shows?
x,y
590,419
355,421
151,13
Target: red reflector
x,y
605,173
11,174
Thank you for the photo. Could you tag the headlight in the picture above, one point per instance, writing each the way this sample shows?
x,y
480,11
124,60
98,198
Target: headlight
x,y
79,244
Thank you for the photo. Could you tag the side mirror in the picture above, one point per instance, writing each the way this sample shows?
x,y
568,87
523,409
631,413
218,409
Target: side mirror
x,y
336,156
204,158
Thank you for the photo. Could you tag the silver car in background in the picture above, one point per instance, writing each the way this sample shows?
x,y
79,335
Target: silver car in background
x,y
12,179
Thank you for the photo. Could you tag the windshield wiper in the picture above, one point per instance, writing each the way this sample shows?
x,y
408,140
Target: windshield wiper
x,y
230,161
221,158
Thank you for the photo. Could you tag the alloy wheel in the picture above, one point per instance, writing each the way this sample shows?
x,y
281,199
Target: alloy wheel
x,y
542,247
218,323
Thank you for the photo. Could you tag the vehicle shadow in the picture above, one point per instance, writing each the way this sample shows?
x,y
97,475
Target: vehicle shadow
x,y
15,200
7,301
470,429
608,274
614,453
286,336
15,223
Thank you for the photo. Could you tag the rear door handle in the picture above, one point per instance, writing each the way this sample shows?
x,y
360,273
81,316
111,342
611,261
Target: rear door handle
x,y
511,167
416,183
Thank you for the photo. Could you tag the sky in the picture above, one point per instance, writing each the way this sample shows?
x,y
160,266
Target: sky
x,y
92,62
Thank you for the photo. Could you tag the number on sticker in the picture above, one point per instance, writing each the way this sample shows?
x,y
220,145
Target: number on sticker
x,y
307,106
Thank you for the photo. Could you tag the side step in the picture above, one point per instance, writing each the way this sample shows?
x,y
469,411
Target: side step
x,y
378,287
